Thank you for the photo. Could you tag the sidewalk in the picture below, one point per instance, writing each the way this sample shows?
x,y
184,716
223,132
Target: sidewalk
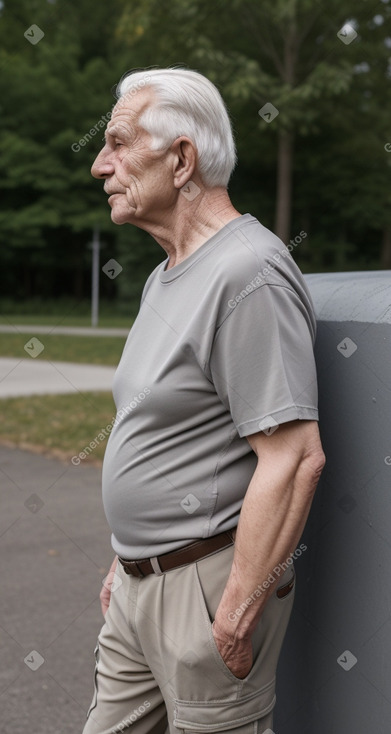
x,y
54,552
65,330
40,377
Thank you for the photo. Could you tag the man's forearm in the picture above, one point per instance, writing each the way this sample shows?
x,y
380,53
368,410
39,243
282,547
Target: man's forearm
x,y
272,519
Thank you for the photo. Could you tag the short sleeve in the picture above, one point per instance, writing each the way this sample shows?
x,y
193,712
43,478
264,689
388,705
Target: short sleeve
x,y
262,360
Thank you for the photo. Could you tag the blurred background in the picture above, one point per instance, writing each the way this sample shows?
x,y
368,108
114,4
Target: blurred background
x,y
319,166
308,87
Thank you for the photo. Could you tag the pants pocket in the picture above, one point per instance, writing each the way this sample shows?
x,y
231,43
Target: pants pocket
x,y
268,635
208,609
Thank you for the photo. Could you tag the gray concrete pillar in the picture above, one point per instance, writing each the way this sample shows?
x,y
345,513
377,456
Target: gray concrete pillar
x,y
334,674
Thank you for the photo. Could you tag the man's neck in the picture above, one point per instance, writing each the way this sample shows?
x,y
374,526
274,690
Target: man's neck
x,y
192,223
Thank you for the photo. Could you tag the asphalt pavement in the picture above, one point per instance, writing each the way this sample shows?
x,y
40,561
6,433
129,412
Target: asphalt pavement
x,y
54,553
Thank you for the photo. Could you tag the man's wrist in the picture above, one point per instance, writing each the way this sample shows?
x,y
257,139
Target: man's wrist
x,y
233,627
238,612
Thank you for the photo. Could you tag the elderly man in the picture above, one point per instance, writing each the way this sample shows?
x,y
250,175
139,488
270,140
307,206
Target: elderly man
x,y
215,455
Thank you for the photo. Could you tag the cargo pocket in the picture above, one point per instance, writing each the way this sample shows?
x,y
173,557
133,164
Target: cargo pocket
x,y
95,696
238,715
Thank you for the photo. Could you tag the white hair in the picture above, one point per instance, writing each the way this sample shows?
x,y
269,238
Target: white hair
x,y
187,103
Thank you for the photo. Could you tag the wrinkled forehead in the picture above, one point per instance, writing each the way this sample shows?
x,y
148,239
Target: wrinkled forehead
x,y
128,110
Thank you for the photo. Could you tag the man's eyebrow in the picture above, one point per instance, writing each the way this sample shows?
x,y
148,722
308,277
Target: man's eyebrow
x,y
112,131
115,131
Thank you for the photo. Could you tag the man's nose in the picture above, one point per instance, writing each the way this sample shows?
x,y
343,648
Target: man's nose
x,y
101,167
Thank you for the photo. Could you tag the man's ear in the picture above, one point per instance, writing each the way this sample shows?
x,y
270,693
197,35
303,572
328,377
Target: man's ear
x,y
185,160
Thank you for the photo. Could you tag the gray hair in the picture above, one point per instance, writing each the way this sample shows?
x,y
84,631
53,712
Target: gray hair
x,y
187,104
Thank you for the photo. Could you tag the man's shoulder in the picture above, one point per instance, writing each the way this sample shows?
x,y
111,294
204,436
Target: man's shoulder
x,y
247,236
250,250
253,258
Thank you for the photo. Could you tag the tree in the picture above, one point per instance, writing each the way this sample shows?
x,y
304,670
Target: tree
x,y
320,165
51,128
283,52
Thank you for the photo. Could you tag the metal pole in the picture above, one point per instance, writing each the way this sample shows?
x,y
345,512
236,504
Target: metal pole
x,y
95,245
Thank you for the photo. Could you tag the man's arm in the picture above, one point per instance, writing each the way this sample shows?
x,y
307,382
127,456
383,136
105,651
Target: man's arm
x,y
272,519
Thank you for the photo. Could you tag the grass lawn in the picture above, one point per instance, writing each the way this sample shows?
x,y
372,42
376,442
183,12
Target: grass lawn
x,y
67,312
58,425
89,349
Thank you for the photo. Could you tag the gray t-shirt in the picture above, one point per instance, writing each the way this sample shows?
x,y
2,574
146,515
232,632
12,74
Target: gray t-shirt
x,y
222,347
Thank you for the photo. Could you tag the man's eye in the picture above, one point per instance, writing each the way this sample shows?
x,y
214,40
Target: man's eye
x,y
118,145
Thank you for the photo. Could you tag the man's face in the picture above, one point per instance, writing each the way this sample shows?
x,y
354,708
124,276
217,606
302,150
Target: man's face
x,y
139,181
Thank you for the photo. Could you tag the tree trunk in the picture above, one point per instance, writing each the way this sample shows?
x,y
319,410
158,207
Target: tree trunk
x,y
385,260
282,226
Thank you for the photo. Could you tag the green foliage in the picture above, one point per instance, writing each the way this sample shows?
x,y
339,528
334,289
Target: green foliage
x,y
333,98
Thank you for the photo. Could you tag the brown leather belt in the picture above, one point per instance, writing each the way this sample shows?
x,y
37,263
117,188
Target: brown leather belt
x,y
181,557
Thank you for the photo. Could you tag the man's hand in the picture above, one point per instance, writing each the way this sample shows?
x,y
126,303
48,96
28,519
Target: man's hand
x,y
105,594
236,653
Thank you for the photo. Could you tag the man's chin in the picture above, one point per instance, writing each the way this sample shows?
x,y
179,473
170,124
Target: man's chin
x,y
121,216
117,218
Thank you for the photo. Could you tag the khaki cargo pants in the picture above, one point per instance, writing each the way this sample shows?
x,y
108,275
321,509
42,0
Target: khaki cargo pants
x,y
158,670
